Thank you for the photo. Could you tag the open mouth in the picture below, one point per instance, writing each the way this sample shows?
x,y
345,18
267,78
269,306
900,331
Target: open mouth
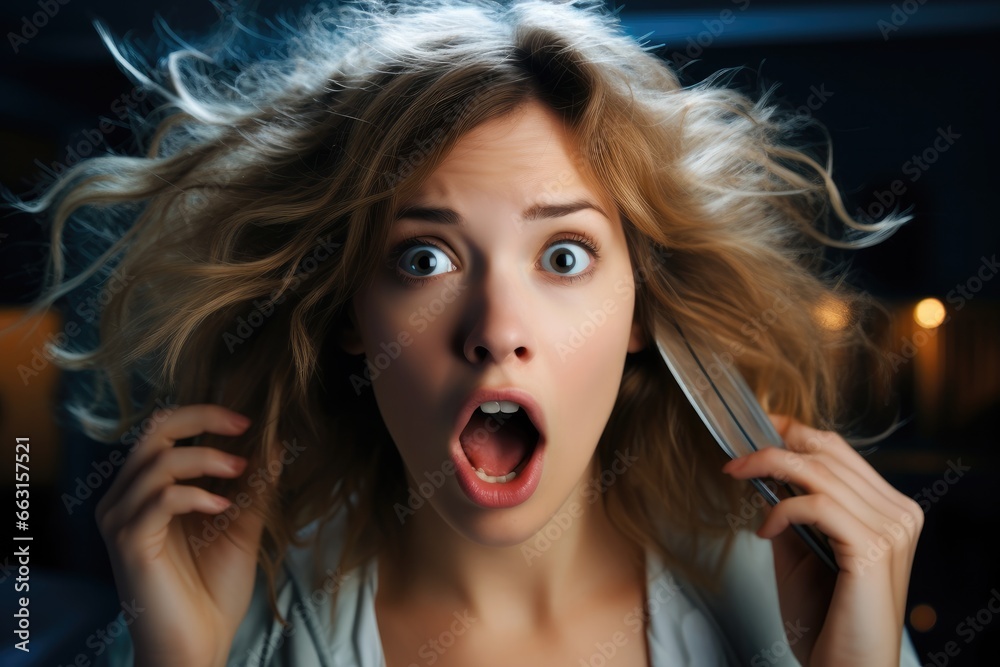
x,y
498,445
499,452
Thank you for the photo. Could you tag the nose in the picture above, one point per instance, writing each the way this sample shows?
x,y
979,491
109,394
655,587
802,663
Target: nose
x,y
498,320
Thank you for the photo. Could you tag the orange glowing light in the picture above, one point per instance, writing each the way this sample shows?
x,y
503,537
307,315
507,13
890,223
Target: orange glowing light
x,y
929,313
923,617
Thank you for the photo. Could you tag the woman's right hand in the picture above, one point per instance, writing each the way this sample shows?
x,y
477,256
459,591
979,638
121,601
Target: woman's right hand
x,y
194,594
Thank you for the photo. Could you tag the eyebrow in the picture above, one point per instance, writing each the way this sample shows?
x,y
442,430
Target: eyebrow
x,y
448,216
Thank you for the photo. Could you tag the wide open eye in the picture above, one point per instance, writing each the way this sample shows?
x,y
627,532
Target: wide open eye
x,y
567,258
424,260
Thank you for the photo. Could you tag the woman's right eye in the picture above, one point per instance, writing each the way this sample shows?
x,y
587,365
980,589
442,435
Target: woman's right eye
x,y
422,258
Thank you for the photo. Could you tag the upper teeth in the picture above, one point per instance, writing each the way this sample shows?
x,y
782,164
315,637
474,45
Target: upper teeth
x,y
490,407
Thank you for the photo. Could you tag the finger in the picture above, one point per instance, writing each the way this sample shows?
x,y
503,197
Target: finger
x,y
799,437
167,467
159,511
893,533
848,535
184,422
823,447
896,514
808,473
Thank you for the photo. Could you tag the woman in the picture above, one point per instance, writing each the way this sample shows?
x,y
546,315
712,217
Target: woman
x,y
424,251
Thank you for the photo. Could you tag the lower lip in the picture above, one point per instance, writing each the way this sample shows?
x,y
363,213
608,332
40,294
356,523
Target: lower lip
x,y
498,496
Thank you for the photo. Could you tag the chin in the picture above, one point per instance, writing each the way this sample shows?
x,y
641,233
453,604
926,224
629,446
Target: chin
x,y
501,528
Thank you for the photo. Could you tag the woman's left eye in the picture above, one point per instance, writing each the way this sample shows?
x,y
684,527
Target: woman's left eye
x,y
566,258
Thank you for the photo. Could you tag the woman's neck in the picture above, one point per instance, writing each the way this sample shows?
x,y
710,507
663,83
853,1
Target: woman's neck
x,y
580,557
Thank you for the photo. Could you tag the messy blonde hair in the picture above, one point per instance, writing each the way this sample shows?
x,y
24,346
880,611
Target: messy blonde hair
x,y
255,164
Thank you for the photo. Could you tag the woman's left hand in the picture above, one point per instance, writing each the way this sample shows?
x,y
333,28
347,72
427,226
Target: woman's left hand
x,y
854,617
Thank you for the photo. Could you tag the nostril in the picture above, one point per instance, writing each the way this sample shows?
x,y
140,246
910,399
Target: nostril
x,y
482,353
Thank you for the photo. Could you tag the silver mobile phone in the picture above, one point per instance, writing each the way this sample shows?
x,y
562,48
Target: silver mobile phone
x,y
729,409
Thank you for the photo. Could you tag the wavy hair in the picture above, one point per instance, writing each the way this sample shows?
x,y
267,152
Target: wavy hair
x,y
264,199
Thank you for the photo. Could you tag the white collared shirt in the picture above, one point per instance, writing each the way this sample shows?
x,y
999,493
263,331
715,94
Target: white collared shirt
x,y
740,625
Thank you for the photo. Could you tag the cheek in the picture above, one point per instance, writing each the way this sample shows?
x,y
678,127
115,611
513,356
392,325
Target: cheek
x,y
405,361
592,335
589,362
401,385
413,318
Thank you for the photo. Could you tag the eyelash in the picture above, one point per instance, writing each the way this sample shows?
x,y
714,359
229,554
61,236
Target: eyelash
x,y
404,245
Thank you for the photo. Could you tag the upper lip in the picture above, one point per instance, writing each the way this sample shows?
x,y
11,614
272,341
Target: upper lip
x,y
484,394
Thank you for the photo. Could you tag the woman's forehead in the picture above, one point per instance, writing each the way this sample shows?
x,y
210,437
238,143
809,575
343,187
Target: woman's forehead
x,y
527,153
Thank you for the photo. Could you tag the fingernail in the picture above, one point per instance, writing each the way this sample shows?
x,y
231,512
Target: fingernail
x,y
237,463
239,421
734,464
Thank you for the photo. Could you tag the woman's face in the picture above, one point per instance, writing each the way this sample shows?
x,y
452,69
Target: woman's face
x,y
490,281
